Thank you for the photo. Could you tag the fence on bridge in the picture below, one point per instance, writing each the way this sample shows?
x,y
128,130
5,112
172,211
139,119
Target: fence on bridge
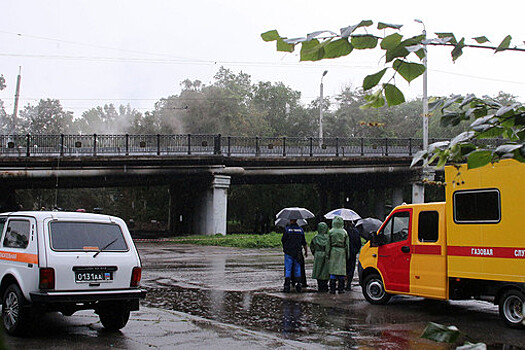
x,y
164,145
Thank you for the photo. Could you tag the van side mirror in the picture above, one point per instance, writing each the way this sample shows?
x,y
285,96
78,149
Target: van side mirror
x,y
377,239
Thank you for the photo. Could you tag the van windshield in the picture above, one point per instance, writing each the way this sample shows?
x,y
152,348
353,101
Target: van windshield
x,y
73,236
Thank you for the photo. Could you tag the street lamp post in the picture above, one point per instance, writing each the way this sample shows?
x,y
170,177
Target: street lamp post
x,y
321,105
418,190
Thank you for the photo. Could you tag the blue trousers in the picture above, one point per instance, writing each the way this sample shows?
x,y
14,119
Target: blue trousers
x,y
290,264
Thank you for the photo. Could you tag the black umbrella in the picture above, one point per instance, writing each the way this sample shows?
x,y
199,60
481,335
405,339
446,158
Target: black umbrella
x,y
294,213
368,225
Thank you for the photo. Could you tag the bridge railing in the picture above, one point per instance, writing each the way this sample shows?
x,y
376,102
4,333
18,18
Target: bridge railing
x,y
190,144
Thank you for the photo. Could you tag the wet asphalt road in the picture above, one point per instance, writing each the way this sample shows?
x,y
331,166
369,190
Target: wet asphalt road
x,y
216,297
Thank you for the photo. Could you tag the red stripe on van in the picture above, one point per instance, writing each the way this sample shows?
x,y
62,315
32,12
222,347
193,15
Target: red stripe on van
x,y
487,252
426,249
20,257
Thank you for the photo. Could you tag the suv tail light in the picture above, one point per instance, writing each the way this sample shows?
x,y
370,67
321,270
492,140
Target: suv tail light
x,y
136,274
47,278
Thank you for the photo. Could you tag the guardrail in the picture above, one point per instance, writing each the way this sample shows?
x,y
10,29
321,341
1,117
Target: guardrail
x,y
188,144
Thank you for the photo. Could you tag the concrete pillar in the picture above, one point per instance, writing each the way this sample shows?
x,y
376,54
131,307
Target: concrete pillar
x,y
379,203
212,207
418,193
397,196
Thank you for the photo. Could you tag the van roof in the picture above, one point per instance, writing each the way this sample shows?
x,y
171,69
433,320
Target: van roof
x,y
61,215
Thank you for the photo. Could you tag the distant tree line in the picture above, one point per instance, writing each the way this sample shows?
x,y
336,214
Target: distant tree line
x,y
230,105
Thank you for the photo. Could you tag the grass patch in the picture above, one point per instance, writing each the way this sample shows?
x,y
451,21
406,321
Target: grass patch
x,y
270,240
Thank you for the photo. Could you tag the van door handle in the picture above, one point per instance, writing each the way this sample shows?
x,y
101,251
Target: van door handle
x,y
405,249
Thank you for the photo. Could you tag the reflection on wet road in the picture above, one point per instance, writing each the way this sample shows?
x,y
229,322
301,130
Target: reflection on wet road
x,y
242,287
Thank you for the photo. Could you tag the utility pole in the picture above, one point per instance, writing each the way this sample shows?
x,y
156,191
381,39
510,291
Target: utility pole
x,y
17,96
321,105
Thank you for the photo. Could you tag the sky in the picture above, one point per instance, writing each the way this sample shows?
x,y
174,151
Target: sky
x,y
88,53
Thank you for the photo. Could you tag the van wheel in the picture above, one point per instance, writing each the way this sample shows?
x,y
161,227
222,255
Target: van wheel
x,y
374,290
115,317
14,316
511,308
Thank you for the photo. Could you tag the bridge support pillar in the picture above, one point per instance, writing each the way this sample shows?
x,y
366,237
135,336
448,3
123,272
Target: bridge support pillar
x,y
418,193
397,196
212,207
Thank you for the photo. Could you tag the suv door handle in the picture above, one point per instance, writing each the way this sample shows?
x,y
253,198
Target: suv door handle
x,y
405,249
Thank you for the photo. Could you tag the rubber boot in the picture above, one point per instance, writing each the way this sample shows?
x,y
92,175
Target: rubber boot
x,y
298,285
349,283
286,288
322,286
341,285
332,286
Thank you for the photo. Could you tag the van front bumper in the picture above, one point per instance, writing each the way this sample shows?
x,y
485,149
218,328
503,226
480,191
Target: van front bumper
x,y
86,296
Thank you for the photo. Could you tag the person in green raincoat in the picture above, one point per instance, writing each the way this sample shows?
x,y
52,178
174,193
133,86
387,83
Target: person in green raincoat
x,y
318,248
337,251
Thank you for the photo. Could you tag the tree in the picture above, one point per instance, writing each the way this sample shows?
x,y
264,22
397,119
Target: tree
x,y
402,56
48,117
106,120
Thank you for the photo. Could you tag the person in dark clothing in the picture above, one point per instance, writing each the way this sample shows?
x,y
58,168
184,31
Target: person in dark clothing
x,y
293,240
355,246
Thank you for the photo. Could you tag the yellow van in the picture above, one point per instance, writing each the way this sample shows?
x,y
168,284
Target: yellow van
x,y
470,246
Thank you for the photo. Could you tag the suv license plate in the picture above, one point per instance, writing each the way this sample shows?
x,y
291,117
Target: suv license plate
x,y
93,276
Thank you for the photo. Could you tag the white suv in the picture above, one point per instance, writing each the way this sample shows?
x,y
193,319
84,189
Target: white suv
x,y
61,261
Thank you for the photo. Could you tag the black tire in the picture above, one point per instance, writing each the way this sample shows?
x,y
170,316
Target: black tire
x,y
115,317
374,290
15,316
511,308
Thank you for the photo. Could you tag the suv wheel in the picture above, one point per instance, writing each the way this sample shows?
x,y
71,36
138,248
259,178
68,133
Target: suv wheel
x,y
14,315
114,317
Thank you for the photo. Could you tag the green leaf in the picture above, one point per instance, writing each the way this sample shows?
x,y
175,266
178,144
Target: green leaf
x,y
337,48
458,50
382,25
450,119
481,39
375,100
364,41
270,35
391,41
448,35
479,158
393,95
408,70
365,23
508,148
440,333
284,47
312,50
372,80
421,53
505,43
419,156
400,50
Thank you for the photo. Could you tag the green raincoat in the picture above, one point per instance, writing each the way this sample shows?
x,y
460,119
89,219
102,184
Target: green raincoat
x,y
318,248
337,248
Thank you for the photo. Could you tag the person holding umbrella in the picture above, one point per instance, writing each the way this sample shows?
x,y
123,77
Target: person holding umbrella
x,y
338,252
355,245
293,240
318,248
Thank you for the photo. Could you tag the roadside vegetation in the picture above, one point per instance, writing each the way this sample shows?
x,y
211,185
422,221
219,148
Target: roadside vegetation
x,y
269,240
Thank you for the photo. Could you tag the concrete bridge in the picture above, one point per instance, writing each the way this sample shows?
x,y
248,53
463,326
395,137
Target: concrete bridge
x,y
199,169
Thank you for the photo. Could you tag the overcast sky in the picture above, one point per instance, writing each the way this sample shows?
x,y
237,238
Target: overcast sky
x,y
92,52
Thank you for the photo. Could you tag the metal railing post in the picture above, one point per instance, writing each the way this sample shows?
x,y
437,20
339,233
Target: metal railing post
x,y
410,146
28,141
189,143
127,144
284,146
311,146
229,145
337,146
158,144
386,146
217,144
94,145
257,150
61,145
362,146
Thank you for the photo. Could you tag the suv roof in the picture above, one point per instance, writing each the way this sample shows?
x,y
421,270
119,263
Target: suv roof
x,y
62,215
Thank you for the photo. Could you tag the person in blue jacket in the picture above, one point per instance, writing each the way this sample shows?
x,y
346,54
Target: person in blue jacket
x,y
293,240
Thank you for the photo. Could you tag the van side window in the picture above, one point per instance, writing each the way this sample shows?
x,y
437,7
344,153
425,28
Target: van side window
x,y
396,229
17,234
477,206
428,226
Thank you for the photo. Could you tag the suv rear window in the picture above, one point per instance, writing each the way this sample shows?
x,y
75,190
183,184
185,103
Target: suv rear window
x,y
86,236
